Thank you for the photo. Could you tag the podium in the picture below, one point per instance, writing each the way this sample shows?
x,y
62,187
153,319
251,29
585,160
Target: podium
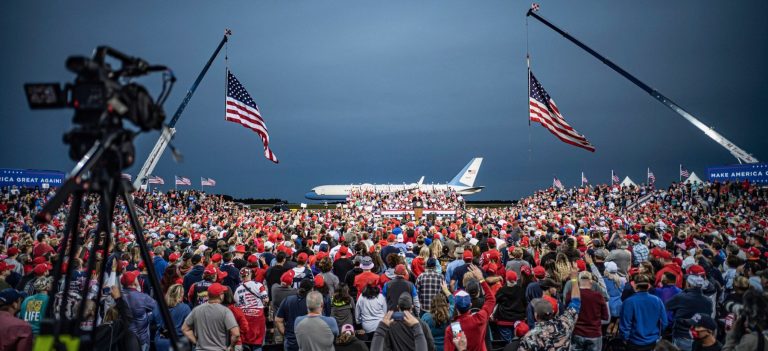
x,y
418,209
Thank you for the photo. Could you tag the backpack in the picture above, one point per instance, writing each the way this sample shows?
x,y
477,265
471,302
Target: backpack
x,y
614,297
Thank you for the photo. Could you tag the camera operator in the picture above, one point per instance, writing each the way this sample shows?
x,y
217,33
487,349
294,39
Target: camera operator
x,y
749,330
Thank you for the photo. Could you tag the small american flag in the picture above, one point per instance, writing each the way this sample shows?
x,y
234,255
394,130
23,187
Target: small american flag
x,y
614,177
534,7
183,181
207,181
557,184
126,176
543,110
242,109
651,177
584,179
684,172
155,180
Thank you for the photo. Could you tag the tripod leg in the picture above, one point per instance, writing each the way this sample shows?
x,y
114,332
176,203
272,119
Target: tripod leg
x,y
106,203
105,256
144,250
69,242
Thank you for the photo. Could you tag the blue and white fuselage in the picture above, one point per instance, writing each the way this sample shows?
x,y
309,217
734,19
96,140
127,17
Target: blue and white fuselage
x,y
462,183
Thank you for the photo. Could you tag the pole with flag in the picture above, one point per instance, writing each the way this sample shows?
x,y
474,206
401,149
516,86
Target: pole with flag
x,y
680,174
583,179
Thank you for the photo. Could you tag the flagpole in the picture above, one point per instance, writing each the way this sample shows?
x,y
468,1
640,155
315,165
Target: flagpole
x,y
175,183
647,176
680,173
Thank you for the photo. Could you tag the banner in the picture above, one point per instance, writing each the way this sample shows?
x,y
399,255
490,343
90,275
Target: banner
x,y
755,173
30,178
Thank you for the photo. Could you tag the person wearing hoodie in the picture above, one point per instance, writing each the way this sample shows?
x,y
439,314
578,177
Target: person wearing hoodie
x,y
686,304
343,306
510,306
370,308
195,273
665,257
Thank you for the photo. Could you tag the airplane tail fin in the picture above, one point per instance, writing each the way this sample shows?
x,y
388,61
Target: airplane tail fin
x,y
421,181
467,175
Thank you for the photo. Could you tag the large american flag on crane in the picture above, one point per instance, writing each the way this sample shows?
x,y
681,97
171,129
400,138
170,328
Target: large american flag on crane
x,y
544,111
242,109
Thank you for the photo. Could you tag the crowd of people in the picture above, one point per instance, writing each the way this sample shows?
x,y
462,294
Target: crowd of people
x,y
366,200
586,268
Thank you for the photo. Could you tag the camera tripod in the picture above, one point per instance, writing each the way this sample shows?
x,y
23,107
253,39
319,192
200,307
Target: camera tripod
x,y
98,172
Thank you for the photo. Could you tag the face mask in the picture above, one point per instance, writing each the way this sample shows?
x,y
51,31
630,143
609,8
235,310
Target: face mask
x,y
694,333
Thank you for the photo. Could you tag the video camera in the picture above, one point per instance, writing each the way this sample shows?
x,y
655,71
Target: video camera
x,y
102,99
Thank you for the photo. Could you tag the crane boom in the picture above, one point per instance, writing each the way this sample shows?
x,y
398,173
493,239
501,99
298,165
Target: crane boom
x,y
739,153
167,134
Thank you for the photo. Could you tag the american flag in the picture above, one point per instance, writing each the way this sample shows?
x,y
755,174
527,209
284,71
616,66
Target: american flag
x,y
584,179
684,172
651,177
155,180
614,177
243,110
207,181
126,176
557,184
544,111
183,181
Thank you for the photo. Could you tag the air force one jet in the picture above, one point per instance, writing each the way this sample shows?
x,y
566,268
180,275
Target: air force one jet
x,y
463,183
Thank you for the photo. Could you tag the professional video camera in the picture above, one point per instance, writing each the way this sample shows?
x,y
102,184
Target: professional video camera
x,y
102,99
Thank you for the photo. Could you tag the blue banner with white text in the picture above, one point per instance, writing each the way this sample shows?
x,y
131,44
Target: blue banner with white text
x,y
30,178
754,172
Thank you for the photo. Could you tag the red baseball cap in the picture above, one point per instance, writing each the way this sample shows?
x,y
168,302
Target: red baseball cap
x,y
582,265
141,265
287,277
343,251
216,289
467,256
4,266
216,257
696,270
319,281
41,269
302,257
173,257
13,251
128,278
400,270
539,272
511,276
210,269
253,259
664,254
240,249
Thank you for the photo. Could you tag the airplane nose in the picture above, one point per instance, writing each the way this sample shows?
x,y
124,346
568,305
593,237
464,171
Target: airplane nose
x,y
312,195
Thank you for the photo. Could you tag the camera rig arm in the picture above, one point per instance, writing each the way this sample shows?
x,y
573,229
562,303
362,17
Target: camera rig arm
x,y
168,133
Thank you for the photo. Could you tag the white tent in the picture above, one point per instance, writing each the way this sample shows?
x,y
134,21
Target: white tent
x,y
627,182
693,179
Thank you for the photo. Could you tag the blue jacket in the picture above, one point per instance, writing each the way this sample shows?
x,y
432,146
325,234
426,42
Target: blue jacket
x,y
141,305
160,265
683,306
643,317
193,276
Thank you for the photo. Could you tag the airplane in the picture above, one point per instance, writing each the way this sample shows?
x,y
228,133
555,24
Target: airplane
x,y
463,183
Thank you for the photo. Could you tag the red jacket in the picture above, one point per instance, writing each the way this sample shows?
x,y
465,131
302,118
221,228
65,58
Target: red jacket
x,y
242,323
474,325
674,269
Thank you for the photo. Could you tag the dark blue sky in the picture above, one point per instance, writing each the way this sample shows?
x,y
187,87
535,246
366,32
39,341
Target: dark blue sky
x,y
388,91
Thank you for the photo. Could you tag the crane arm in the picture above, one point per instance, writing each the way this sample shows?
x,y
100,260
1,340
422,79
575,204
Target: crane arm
x,y
737,152
167,135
